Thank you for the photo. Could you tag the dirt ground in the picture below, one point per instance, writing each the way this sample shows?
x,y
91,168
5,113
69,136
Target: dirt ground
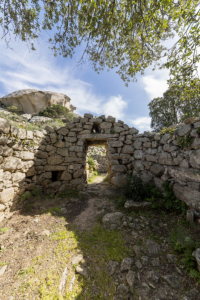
x,y
39,242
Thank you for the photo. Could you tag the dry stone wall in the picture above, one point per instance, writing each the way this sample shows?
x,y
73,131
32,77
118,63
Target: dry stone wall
x,y
55,159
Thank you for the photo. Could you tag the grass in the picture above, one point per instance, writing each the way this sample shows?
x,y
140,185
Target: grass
x,y
94,174
4,229
42,278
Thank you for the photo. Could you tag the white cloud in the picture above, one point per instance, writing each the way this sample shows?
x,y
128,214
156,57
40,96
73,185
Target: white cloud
x,y
155,85
40,70
142,123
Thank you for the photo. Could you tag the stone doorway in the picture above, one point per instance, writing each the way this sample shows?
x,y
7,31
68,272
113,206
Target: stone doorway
x,y
97,167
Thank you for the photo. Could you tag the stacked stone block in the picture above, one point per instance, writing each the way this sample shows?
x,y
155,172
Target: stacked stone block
x,y
55,159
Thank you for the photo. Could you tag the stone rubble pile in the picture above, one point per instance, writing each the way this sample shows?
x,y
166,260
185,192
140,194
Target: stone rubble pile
x,y
54,159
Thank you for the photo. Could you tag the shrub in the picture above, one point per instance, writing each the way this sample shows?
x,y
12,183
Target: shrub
x,y
167,130
14,109
185,141
134,188
167,200
56,111
185,245
91,163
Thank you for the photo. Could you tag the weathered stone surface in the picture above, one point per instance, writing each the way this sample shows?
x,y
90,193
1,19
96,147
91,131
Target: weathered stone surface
x,y
130,278
157,170
133,130
152,247
184,174
4,125
55,160
112,266
77,259
165,159
10,163
172,280
165,138
33,101
138,154
119,168
185,130
115,144
128,149
62,151
6,195
196,255
18,177
82,270
189,196
39,120
126,264
112,218
150,158
195,159
135,206
54,168
25,155
66,176
119,181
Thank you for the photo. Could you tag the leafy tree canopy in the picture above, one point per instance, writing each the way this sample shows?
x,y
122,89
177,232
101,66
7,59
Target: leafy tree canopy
x,y
124,34
176,105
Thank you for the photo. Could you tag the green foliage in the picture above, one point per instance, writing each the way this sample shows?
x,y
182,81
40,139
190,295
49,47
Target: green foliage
x,y
198,130
167,200
167,130
56,111
135,188
126,35
112,131
25,196
172,108
185,245
185,141
94,175
106,179
91,163
36,191
4,229
14,109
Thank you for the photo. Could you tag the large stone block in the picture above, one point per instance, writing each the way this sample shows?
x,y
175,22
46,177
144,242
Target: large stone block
x,y
4,125
54,168
138,154
62,151
6,195
195,159
119,168
185,130
25,155
10,163
184,174
119,181
165,159
55,160
33,101
66,176
18,177
137,144
128,149
116,144
189,196
63,131
157,170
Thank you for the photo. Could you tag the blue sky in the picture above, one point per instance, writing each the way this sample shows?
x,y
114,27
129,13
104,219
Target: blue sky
x,y
103,93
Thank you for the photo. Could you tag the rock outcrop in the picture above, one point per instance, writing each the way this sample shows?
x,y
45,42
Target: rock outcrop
x,y
32,101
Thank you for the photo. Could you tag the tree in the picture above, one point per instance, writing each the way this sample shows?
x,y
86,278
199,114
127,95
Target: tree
x,y
176,105
124,34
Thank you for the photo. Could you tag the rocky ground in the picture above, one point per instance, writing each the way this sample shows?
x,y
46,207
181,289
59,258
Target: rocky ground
x,y
82,246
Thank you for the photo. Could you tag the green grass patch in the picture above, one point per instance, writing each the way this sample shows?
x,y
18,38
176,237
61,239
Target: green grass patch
x,y
91,179
4,229
97,246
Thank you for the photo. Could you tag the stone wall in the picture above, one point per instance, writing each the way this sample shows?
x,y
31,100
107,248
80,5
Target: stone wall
x,y
54,159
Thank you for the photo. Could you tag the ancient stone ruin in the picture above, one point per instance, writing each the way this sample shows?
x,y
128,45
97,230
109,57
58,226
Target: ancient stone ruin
x,y
55,159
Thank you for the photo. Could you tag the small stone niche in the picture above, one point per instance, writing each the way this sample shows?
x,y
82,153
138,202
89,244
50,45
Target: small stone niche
x,y
56,175
96,128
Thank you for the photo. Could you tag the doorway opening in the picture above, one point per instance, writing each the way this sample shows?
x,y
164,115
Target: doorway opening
x,y
97,163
